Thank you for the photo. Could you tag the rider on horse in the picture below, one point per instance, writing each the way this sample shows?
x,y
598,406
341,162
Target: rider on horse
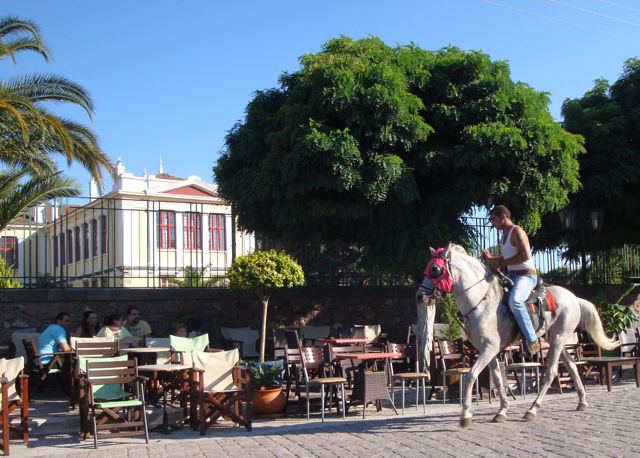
x,y
516,257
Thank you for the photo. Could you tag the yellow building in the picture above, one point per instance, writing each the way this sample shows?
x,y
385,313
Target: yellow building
x,y
143,233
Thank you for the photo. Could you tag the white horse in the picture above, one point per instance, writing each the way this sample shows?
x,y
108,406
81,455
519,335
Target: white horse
x,y
491,327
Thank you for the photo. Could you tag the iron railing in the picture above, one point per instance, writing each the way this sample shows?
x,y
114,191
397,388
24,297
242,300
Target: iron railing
x,y
115,242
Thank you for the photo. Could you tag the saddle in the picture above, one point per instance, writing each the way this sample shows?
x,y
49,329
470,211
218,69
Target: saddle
x,y
540,300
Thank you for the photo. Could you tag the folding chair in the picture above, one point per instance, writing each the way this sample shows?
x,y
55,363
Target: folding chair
x,y
115,399
10,371
183,347
222,389
244,339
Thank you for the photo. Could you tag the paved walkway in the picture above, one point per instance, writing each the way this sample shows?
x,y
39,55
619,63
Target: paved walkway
x,y
611,427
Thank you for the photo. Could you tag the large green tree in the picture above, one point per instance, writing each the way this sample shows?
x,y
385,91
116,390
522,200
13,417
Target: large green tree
x,y
386,148
31,135
608,117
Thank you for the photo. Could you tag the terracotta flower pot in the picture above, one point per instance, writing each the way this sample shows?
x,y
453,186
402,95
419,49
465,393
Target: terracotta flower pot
x,y
269,401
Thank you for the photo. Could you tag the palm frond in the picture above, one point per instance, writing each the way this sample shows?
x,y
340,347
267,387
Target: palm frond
x,y
27,38
51,88
32,192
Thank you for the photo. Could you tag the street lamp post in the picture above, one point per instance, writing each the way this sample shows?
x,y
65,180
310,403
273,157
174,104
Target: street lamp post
x,y
579,220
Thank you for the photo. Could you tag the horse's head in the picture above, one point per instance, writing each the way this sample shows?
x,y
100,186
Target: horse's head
x,y
437,275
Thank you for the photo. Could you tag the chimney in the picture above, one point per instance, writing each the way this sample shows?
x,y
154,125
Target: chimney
x,y
119,167
93,190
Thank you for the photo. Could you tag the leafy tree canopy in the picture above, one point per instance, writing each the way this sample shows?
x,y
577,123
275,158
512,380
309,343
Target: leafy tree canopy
x,y
608,117
264,271
385,148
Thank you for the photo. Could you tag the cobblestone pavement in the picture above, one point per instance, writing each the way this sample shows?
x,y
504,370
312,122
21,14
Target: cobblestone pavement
x,y
611,427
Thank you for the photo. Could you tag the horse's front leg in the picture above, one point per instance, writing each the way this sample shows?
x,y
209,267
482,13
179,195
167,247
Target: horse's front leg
x,y
470,379
501,416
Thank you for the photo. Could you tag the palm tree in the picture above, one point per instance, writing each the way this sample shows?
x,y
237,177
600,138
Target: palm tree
x,y
30,135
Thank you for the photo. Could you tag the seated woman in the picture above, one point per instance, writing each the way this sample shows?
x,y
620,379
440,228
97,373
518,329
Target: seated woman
x,y
113,328
179,330
89,326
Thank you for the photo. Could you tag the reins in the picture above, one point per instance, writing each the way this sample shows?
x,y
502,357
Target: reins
x,y
489,275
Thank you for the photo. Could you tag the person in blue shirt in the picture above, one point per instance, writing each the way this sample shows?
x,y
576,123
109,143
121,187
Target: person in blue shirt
x,y
55,337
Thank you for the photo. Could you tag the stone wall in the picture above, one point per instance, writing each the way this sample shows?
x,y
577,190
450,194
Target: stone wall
x,y
207,310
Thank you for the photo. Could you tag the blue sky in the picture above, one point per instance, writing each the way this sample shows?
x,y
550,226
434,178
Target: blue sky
x,y
171,78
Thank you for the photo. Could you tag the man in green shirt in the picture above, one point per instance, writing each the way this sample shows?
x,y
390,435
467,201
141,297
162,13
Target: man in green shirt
x,y
136,326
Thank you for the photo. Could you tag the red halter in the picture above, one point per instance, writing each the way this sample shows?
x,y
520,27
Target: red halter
x,y
438,272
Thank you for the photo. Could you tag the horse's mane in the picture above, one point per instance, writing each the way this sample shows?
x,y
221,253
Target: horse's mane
x,y
460,250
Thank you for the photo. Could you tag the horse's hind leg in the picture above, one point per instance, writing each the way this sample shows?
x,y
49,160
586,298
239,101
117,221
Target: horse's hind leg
x,y
549,374
501,416
577,380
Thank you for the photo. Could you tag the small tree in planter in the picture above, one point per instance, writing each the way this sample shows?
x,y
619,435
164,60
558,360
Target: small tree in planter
x,y
616,317
262,272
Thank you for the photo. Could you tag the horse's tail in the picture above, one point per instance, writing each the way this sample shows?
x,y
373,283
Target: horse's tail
x,y
590,320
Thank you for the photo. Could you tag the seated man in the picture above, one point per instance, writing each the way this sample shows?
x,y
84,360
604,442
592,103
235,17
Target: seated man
x,y
55,337
136,326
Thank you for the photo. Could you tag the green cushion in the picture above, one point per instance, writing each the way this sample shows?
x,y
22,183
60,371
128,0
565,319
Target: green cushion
x,y
112,404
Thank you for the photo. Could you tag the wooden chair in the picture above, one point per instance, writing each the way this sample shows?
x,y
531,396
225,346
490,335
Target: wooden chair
x,y
11,374
115,399
563,380
409,372
453,362
86,349
590,349
221,388
39,371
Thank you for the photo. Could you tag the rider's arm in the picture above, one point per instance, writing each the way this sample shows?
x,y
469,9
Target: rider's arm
x,y
520,241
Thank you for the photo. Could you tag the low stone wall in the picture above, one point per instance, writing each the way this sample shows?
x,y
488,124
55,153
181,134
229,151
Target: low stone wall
x,y
208,309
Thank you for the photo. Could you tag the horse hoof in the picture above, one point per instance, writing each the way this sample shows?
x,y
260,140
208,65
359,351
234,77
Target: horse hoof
x,y
499,419
465,422
530,416
582,406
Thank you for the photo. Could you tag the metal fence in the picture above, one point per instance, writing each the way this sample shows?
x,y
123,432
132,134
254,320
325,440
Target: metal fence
x,y
155,244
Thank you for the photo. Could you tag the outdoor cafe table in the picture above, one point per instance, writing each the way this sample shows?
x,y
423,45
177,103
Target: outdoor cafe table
x,y
607,363
369,386
144,354
344,341
165,374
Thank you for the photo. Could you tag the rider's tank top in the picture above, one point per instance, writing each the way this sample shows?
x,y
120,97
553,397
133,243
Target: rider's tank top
x,y
508,251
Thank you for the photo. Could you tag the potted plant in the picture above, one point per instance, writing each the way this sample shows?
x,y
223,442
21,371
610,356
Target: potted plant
x,y
268,394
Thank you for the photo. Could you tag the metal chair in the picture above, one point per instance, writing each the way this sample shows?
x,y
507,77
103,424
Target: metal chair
x,y
314,370
409,360
452,353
